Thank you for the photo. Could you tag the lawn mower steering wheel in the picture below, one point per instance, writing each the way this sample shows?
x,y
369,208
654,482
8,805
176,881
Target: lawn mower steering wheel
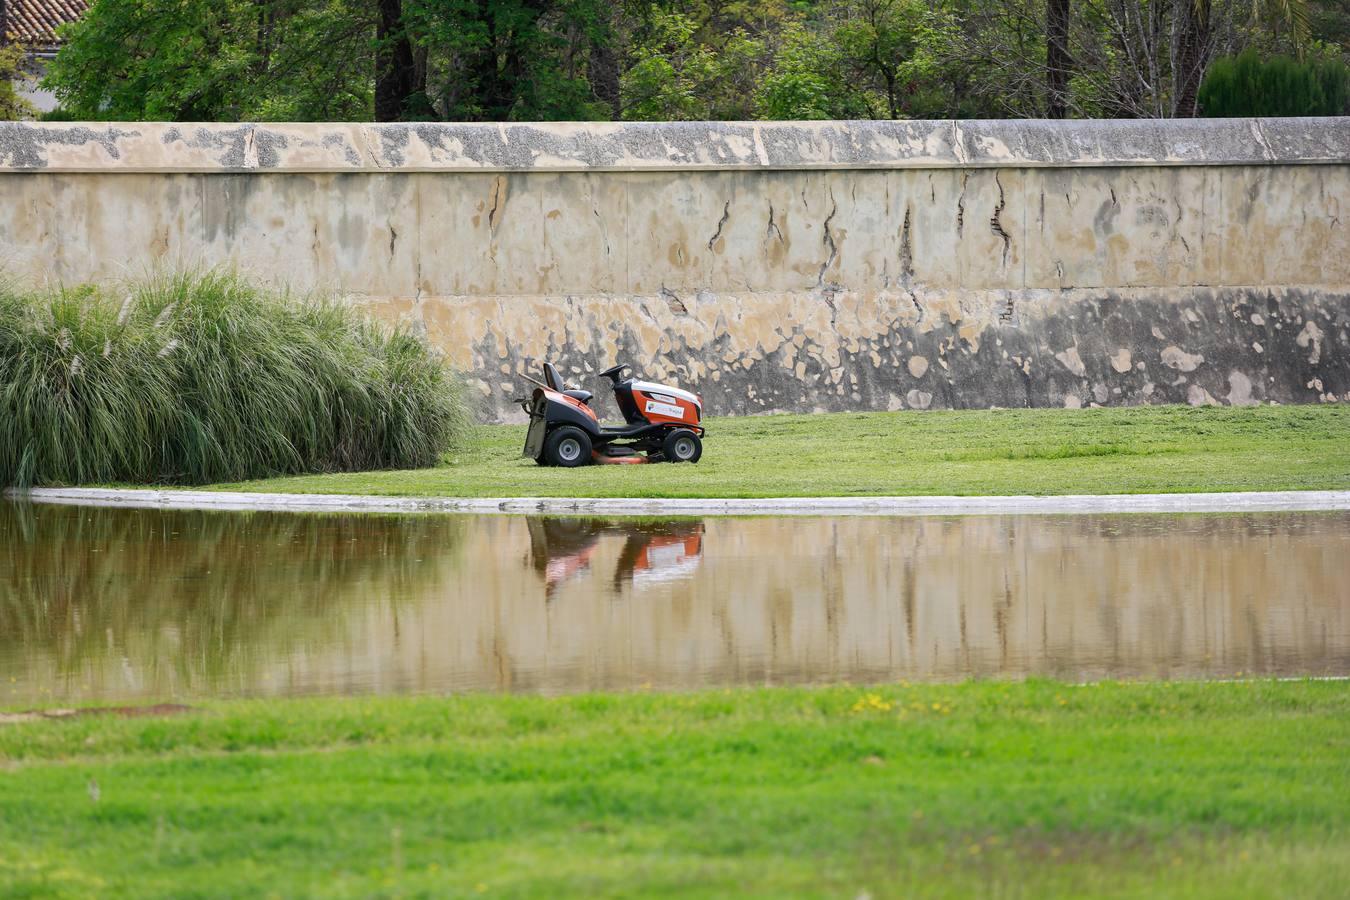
x,y
612,373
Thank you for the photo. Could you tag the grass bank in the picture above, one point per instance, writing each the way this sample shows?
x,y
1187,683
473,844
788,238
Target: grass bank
x,y
1165,449
1010,789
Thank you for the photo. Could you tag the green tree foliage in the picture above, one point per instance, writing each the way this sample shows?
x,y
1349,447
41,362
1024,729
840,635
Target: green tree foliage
x,y
12,106
675,76
521,60
205,60
1246,85
890,52
804,82
1120,58
864,59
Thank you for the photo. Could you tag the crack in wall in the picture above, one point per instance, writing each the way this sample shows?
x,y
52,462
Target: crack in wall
x,y
673,301
1176,227
828,240
498,188
906,247
961,206
726,214
595,209
604,232
996,223
417,256
773,228
918,307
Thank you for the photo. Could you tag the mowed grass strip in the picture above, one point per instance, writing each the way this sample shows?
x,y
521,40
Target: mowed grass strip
x,y
1164,449
1011,789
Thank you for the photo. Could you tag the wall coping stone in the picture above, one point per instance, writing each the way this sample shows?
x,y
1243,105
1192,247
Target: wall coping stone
x,y
159,147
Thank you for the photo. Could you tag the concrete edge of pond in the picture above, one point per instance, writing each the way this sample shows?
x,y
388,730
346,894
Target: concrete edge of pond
x,y
1248,501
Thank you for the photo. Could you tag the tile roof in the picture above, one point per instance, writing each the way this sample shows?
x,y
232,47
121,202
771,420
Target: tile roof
x,y
35,21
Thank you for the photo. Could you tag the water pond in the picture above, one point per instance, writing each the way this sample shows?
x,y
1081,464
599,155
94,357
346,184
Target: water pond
x,y
117,604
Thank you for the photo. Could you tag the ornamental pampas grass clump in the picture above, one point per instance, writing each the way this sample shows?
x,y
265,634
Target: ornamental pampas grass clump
x,y
193,379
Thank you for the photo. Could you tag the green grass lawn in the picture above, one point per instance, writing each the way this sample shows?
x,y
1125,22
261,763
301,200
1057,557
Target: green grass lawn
x,y
989,789
1130,450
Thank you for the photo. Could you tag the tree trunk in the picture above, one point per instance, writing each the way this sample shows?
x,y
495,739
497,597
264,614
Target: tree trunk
x,y
494,89
499,71
1057,61
1192,55
395,68
604,74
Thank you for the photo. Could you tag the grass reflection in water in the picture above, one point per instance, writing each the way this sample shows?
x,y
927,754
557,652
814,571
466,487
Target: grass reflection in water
x,y
197,598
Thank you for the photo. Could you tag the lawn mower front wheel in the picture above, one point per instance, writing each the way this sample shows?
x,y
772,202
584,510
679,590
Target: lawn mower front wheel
x,y
682,445
568,447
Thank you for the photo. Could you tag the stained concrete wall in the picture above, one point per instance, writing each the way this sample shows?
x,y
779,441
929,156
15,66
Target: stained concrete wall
x,y
769,266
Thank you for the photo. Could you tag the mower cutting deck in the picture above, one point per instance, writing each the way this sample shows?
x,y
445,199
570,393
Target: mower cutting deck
x,y
661,423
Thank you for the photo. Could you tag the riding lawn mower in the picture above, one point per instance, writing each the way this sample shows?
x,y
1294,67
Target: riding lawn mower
x,y
661,423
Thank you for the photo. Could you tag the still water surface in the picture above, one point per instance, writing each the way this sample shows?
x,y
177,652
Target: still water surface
x,y
115,604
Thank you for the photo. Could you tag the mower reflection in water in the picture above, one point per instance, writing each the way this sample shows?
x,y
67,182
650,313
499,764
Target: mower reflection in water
x,y
561,550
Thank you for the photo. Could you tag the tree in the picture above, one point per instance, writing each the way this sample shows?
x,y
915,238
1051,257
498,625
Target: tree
x,y
604,65
207,60
1113,58
1247,85
493,60
497,60
875,59
680,67
804,82
890,47
1195,50
1057,59
1193,53
329,60
998,60
12,106
399,81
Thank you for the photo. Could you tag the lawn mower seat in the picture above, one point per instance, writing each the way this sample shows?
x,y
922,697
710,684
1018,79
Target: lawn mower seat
x,y
555,382
552,378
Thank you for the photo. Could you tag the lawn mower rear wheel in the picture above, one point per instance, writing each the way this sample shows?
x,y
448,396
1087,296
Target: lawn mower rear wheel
x,y
568,447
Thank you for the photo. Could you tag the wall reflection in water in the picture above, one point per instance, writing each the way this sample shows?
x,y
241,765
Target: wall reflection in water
x,y
99,604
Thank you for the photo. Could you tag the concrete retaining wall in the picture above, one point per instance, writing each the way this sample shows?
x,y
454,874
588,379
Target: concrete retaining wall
x,y
769,266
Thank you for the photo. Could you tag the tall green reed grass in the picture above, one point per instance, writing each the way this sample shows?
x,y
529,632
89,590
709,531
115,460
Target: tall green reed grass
x,y
200,378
